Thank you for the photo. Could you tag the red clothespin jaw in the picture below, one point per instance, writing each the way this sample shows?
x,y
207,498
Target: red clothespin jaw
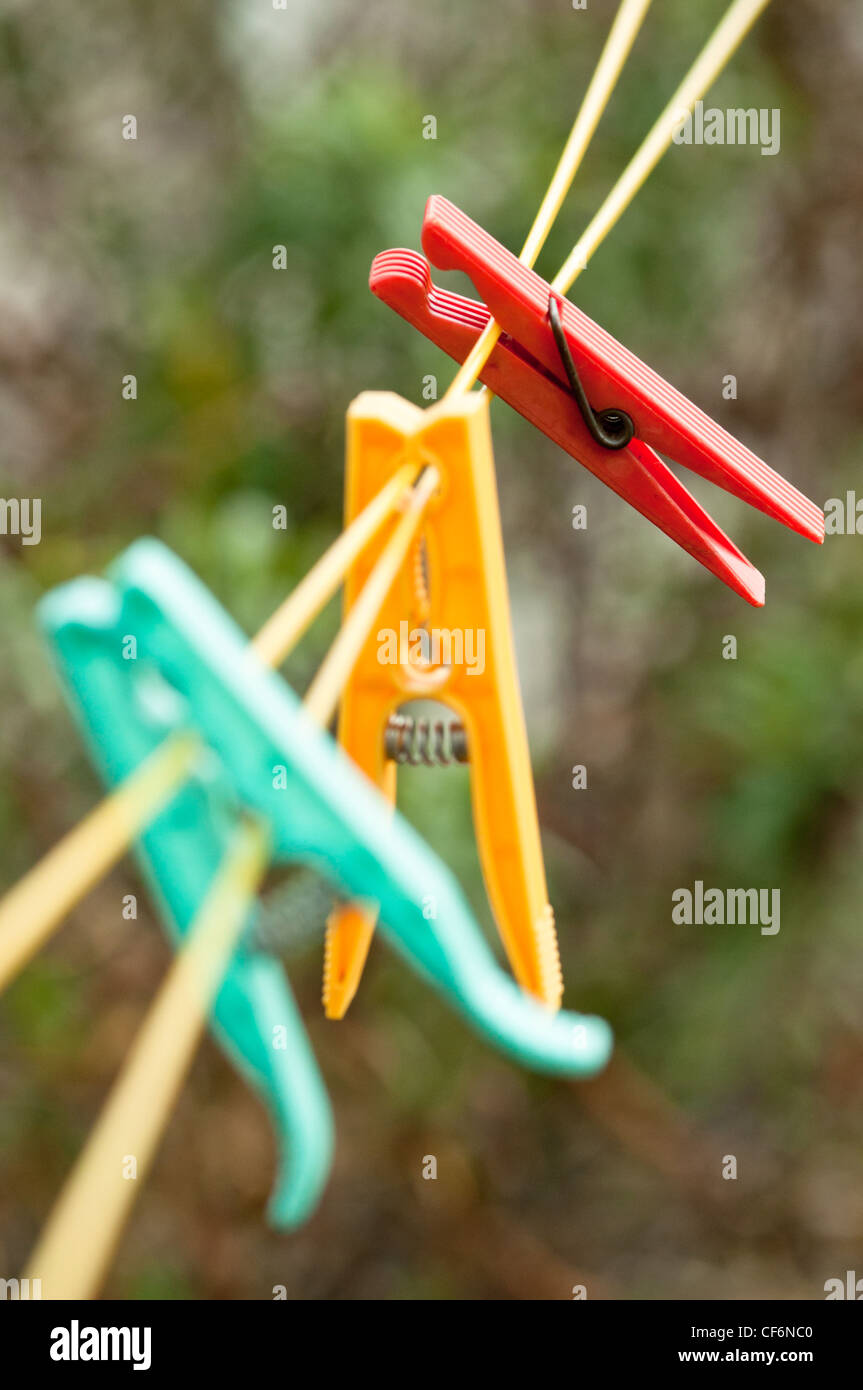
x,y
526,370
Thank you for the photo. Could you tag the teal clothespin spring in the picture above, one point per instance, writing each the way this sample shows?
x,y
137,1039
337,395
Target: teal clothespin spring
x,y
193,669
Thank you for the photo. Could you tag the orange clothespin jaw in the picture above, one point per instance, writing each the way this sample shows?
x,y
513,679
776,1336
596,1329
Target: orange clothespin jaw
x,y
451,642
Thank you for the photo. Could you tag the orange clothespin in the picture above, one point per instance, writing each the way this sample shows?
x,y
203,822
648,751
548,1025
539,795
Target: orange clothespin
x,y
449,639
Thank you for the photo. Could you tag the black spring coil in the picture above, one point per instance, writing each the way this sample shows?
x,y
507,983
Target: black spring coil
x,y
292,914
425,742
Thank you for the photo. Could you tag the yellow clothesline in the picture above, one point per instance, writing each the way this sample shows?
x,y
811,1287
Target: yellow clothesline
x,y
82,1231
621,37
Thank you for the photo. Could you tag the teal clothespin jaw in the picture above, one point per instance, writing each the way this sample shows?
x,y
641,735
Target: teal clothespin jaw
x,y
193,669
126,710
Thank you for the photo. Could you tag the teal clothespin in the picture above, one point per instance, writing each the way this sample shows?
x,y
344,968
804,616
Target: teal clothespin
x,y
193,669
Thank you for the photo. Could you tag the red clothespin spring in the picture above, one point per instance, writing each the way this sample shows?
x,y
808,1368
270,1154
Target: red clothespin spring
x,y
548,349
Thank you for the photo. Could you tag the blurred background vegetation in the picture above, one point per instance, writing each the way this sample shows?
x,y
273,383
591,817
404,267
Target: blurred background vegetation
x,y
303,127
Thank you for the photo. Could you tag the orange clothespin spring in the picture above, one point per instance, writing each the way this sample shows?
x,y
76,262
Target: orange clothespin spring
x,y
466,660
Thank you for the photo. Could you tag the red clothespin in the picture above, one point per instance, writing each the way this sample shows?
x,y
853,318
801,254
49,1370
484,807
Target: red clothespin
x,y
549,354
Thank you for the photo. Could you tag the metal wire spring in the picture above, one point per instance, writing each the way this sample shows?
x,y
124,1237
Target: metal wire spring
x,y
292,915
425,742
